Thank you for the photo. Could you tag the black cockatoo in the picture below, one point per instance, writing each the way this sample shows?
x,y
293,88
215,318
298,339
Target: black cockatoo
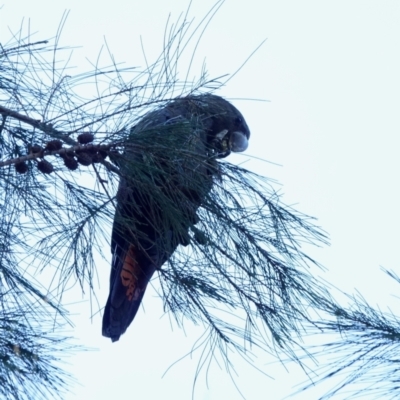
x,y
167,169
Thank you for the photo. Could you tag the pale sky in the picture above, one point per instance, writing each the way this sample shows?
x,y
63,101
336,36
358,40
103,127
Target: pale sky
x,y
330,73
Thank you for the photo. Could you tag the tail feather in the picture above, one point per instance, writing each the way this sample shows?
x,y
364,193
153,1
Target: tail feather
x,y
131,276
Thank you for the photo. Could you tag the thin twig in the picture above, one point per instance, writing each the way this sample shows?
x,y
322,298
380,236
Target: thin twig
x,y
36,123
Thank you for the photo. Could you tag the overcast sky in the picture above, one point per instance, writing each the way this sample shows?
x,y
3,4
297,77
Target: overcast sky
x,y
330,73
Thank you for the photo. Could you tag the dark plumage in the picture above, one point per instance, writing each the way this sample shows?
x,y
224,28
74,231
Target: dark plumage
x,y
166,171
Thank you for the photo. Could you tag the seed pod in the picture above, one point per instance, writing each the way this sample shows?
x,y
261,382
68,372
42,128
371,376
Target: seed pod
x,y
184,238
53,145
21,167
91,151
103,153
84,159
35,148
200,237
68,154
45,167
97,157
70,163
85,138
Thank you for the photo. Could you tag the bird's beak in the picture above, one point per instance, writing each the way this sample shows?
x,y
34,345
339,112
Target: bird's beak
x,y
238,142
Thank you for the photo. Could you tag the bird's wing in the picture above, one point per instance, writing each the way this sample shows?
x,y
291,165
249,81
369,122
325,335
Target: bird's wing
x,y
145,234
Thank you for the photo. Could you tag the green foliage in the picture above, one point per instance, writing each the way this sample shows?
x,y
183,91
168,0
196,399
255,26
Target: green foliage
x,y
243,273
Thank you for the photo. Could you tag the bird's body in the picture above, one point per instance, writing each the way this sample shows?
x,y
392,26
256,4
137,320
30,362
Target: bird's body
x,y
168,169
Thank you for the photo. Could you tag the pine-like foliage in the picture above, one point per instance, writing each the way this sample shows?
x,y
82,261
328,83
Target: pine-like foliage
x,y
242,274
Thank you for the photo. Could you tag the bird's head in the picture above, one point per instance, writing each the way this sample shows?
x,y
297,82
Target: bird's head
x,y
229,131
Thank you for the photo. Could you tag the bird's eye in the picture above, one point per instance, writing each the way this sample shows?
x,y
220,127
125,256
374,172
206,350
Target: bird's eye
x,y
238,120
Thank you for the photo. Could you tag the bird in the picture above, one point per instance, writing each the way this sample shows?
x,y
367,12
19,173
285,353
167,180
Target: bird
x,y
167,168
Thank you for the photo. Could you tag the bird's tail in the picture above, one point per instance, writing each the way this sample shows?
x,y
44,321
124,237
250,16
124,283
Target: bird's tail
x,y
127,289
